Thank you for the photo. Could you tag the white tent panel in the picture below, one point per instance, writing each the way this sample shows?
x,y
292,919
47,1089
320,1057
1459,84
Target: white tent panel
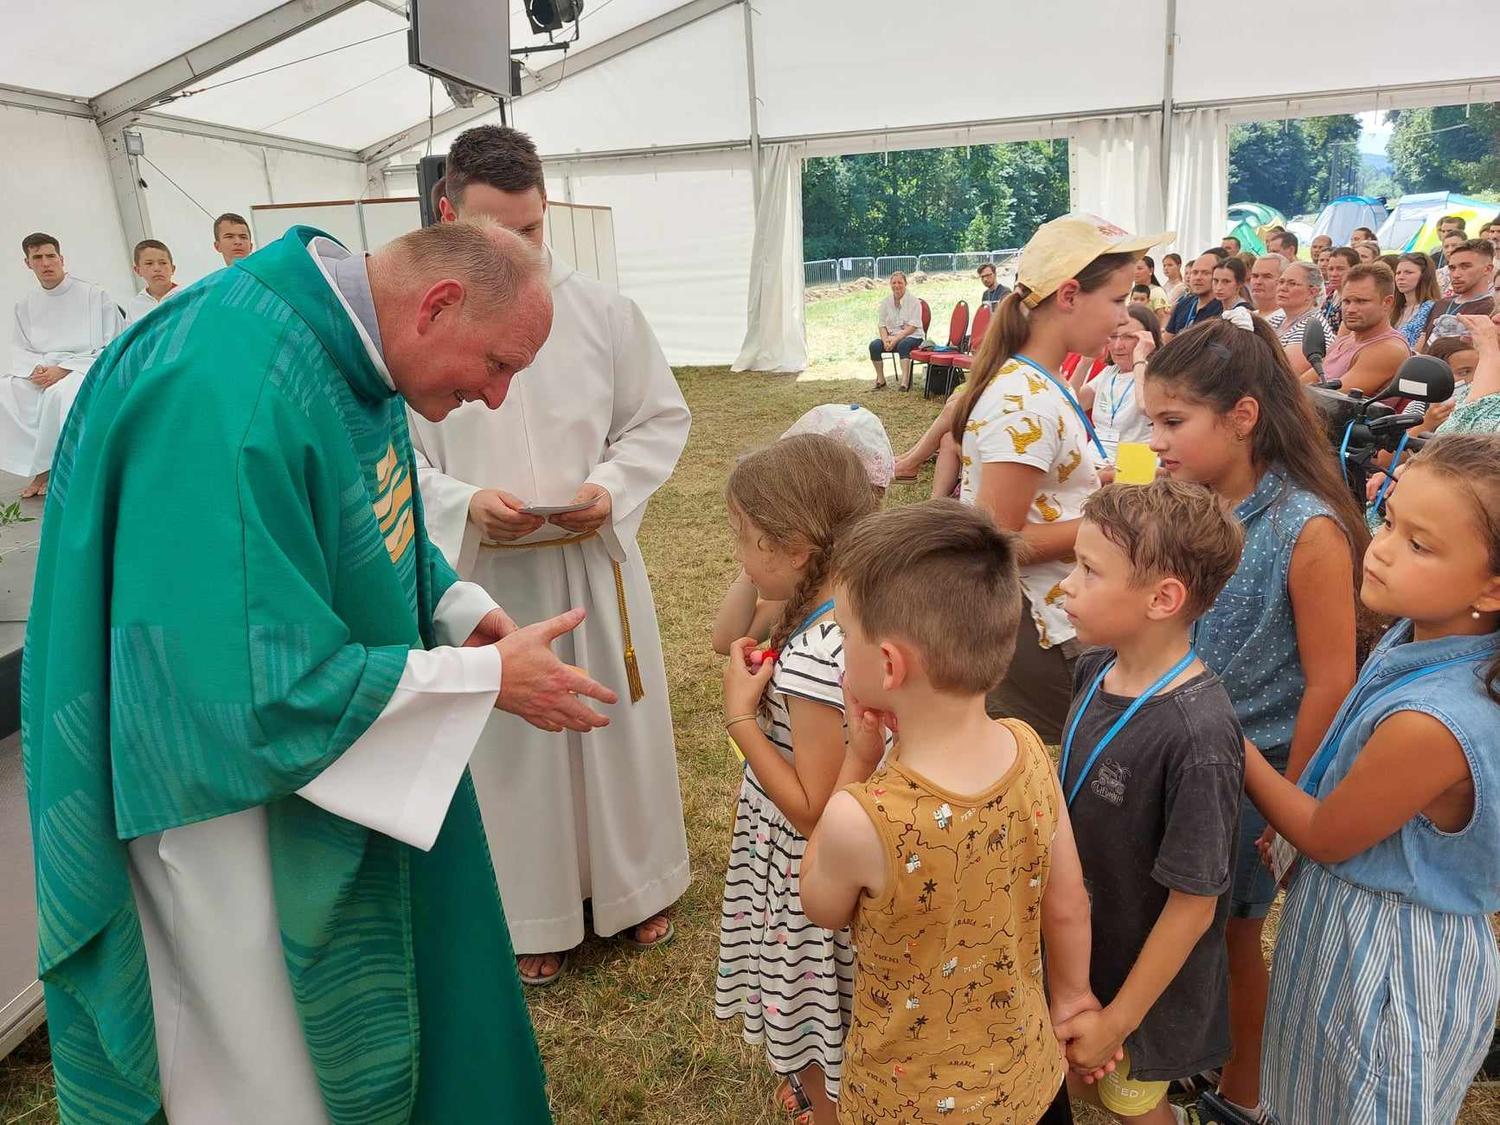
x,y
84,47
1378,43
56,179
200,177
348,98
386,219
683,230
686,88
861,65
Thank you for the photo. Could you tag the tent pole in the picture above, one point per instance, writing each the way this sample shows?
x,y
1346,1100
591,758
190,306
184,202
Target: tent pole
x,y
754,107
1169,66
125,176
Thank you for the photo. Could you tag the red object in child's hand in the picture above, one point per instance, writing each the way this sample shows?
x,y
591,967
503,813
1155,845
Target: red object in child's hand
x,y
761,655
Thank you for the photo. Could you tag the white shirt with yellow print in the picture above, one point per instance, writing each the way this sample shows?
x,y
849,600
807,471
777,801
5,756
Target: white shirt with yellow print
x,y
1023,417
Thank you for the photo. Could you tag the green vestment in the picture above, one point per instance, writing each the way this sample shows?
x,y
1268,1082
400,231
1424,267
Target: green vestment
x,y
232,572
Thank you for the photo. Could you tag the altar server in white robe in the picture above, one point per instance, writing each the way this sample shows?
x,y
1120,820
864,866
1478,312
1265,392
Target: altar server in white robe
x,y
154,266
60,329
598,417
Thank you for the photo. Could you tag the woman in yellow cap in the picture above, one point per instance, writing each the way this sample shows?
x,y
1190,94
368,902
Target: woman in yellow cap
x,y
1029,454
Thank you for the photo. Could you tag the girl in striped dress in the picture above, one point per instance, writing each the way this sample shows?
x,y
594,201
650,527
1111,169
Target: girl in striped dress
x,y
789,981
1386,974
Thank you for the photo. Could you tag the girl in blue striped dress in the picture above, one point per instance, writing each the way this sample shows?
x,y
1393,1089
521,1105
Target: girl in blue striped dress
x,y
790,982
1386,974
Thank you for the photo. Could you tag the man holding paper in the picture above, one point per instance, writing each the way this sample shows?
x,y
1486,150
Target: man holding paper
x,y
539,503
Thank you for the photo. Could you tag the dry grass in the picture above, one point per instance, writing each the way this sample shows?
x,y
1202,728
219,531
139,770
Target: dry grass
x,y
631,1037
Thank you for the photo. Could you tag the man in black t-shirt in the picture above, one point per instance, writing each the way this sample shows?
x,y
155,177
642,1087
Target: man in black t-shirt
x,y
994,292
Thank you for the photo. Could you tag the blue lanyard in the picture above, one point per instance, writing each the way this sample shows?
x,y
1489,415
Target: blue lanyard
x,y
810,618
1073,402
1349,714
1118,725
1115,400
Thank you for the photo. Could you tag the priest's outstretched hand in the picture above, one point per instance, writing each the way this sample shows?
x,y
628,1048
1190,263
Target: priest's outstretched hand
x,y
539,687
499,517
587,519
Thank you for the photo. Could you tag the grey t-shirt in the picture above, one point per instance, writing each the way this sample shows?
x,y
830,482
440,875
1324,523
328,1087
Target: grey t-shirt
x,y
1159,812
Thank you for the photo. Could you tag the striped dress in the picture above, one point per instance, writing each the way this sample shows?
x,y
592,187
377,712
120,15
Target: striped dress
x,y
791,982
1386,975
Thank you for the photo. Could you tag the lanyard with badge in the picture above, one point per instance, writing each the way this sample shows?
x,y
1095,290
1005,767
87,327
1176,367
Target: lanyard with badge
x,y
1115,728
1283,854
1067,394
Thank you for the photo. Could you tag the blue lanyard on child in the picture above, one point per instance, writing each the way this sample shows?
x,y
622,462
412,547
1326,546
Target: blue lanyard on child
x,y
1073,402
1118,725
1349,714
807,621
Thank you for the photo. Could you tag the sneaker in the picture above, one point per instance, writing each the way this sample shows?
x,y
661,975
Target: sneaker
x,y
1214,1107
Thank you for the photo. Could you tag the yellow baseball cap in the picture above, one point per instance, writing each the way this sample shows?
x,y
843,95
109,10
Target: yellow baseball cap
x,y
1061,248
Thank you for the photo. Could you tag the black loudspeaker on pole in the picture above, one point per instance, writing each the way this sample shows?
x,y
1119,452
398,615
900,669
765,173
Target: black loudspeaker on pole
x,y
429,180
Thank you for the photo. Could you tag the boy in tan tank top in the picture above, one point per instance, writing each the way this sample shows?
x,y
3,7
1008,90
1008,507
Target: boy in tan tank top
x,y
955,859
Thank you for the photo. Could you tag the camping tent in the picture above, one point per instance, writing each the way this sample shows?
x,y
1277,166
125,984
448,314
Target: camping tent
x,y
689,118
1246,221
1339,219
1412,224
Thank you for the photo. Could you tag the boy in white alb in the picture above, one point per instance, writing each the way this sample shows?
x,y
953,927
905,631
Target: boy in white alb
x,y
154,266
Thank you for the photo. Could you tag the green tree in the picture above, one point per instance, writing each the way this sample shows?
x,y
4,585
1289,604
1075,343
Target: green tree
x,y
1333,147
1446,148
1270,162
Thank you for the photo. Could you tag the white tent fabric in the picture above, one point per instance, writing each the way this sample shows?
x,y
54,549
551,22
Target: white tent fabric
x,y
667,84
1116,170
1199,187
776,337
54,179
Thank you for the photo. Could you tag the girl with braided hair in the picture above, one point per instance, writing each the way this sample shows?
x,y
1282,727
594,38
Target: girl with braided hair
x,y
789,981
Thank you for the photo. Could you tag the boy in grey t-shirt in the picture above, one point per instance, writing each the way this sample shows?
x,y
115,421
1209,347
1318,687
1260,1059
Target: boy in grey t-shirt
x,y
1152,768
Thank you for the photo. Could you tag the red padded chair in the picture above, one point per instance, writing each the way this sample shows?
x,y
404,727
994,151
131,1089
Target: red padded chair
x,y
958,326
976,337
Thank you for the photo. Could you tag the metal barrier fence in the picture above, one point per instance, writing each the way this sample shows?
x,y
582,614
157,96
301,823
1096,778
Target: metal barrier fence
x,y
832,271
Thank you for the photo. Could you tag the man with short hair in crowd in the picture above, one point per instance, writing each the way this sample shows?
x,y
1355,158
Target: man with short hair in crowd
x,y
1365,358
994,292
232,237
1341,259
1198,303
900,331
1263,278
1449,224
1449,242
1490,232
1471,272
1231,243
1321,244
1298,292
1283,242
1361,234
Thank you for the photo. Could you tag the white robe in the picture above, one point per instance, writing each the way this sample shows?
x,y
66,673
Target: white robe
x,y
229,1041
573,817
142,303
65,326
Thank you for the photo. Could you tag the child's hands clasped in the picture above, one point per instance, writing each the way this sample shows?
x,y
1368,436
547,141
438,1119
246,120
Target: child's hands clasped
x,y
744,683
866,731
1092,1041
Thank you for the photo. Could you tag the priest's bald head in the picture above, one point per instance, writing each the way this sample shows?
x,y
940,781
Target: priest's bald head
x,y
461,307
494,171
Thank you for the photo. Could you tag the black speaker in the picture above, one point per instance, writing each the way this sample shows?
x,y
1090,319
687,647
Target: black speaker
x,y
429,177
552,15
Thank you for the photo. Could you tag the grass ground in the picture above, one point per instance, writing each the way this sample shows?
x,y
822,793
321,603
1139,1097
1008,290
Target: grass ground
x,y
630,1037
839,329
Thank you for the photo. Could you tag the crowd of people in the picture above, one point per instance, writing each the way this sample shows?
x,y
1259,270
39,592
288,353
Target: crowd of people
x,y
924,917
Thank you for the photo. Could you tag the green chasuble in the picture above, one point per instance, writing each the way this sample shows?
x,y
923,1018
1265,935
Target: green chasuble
x,y
232,572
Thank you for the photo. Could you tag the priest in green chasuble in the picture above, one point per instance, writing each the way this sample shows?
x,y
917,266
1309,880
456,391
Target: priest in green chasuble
x,y
250,693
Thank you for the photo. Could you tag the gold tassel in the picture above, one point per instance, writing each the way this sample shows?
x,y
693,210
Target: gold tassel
x,y
632,666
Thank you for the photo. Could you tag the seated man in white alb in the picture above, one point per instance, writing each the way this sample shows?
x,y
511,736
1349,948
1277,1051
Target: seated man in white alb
x,y
154,266
60,329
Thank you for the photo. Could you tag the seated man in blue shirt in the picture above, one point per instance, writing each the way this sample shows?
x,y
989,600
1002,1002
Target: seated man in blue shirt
x,y
1198,303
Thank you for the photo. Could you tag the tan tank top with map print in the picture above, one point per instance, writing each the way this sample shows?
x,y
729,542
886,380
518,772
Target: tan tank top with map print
x,y
950,1015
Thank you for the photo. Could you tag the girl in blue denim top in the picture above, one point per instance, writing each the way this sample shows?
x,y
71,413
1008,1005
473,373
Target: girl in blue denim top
x,y
1227,412
1386,978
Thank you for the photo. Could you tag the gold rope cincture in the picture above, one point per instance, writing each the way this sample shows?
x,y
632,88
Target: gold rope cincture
x,y
632,666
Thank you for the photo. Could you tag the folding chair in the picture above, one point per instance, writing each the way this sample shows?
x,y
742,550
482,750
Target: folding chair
x,y
958,325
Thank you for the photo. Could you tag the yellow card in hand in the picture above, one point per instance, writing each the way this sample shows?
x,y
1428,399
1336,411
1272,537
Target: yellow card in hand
x,y
1134,463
